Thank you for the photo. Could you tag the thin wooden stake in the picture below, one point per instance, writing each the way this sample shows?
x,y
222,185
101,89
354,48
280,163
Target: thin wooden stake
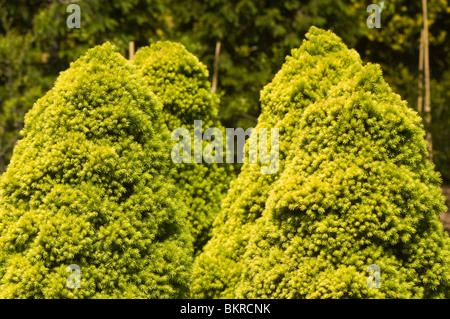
x,y
427,104
420,84
131,50
216,67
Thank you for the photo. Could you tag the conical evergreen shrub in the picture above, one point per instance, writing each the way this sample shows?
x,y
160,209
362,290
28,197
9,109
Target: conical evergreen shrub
x,y
359,191
181,83
90,184
354,188
320,63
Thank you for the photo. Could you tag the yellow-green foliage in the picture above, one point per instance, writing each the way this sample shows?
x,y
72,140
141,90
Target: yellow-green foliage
x,y
181,83
359,190
90,184
355,188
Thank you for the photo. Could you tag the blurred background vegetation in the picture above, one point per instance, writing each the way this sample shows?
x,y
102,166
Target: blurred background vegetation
x,y
255,36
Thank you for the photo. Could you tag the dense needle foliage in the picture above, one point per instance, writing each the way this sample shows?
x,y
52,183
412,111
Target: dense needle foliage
x,y
354,188
181,83
90,184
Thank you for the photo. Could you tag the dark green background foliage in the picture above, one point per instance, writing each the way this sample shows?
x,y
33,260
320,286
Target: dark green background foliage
x,y
180,81
355,188
90,184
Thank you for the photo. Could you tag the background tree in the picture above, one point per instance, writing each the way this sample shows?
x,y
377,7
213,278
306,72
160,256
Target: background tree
x,y
181,83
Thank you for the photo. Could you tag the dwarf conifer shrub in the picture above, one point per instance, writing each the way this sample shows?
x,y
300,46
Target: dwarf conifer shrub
x,y
90,184
359,190
354,188
181,83
320,63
